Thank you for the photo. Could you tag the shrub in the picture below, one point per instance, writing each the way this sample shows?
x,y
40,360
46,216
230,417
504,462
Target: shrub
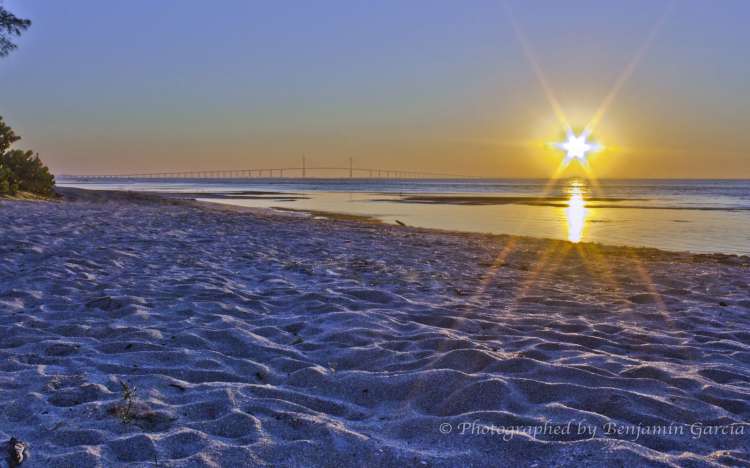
x,y
7,137
28,172
7,183
21,170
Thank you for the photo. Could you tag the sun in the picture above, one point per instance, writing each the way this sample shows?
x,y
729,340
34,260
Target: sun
x,y
577,147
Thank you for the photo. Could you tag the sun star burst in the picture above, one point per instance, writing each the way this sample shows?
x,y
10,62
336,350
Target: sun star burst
x,y
577,146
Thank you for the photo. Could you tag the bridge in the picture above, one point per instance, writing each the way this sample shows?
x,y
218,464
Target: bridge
x,y
281,172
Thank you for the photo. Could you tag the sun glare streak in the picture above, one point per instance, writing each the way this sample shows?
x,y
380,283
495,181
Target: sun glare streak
x,y
530,56
492,271
576,147
591,178
595,262
628,71
649,284
547,263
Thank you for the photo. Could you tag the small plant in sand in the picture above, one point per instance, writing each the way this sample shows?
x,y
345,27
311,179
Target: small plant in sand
x,y
131,410
124,410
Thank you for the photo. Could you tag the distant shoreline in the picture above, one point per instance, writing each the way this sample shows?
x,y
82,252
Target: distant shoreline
x,y
375,179
171,198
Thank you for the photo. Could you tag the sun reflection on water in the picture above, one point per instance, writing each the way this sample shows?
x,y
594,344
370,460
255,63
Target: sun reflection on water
x,y
576,212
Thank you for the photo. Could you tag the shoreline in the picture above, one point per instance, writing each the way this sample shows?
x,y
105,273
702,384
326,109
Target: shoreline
x,y
78,194
254,337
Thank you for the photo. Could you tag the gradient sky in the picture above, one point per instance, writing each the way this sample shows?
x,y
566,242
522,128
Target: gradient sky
x,y
102,87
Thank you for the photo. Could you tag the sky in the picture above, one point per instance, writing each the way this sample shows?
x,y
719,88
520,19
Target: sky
x,y
429,85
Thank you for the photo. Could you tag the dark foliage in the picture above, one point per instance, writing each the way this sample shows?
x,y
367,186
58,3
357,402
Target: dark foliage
x,y
27,172
21,170
10,26
7,137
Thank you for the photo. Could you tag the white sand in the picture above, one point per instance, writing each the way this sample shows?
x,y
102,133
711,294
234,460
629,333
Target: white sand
x,y
253,338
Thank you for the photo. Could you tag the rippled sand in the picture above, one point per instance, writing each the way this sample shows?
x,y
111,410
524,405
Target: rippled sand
x,y
256,338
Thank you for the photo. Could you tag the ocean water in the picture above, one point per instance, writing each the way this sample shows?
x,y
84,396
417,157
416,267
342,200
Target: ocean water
x,y
685,215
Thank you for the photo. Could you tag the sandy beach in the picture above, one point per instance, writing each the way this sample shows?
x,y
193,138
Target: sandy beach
x,y
145,331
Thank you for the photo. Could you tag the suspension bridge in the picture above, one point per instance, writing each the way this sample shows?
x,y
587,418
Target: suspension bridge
x,y
302,171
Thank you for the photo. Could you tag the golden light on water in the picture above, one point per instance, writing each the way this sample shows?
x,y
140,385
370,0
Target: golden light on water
x,y
576,213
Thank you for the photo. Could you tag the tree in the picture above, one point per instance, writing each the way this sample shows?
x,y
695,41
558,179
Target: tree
x,y
21,170
28,173
7,137
10,26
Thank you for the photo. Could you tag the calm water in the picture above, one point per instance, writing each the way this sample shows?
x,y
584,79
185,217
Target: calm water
x,y
687,215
